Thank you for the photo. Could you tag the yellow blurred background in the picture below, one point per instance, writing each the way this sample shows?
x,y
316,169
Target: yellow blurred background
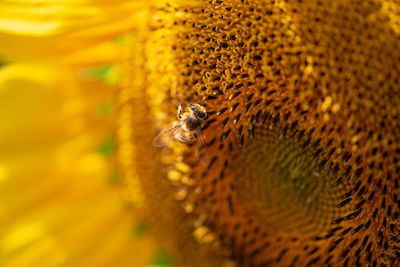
x,y
62,199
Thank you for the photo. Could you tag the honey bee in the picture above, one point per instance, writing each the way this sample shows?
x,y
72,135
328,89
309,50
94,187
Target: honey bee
x,y
187,129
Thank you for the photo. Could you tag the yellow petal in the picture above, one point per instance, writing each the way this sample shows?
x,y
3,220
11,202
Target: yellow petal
x,y
43,30
44,18
56,203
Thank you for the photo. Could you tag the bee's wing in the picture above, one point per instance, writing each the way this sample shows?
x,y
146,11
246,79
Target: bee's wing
x,y
167,136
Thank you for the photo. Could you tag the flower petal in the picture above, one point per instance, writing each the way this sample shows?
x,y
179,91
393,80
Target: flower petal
x,y
57,206
57,28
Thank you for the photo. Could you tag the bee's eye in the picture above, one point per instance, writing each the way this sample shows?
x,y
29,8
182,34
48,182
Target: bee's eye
x,y
193,108
201,114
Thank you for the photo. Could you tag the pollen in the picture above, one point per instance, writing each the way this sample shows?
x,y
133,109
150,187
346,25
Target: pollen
x,y
174,175
326,104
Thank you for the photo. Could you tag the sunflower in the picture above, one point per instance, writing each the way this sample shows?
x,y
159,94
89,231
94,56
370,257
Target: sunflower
x,y
300,160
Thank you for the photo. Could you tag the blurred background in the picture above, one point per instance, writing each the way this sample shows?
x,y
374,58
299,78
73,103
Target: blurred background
x,y
62,199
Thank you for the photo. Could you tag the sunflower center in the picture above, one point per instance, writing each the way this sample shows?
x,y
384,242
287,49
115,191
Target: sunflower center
x,y
282,178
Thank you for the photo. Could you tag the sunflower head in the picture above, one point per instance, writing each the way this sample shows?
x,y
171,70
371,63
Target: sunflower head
x,y
300,161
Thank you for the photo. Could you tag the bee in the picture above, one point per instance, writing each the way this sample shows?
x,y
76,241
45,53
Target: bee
x,y
187,129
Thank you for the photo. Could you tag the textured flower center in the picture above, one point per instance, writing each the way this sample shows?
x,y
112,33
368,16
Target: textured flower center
x,y
303,159
281,178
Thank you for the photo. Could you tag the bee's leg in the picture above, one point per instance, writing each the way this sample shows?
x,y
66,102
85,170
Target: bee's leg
x,y
180,111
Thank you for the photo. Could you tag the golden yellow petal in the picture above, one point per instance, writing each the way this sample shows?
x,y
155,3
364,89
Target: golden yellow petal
x,y
44,18
42,30
100,54
57,203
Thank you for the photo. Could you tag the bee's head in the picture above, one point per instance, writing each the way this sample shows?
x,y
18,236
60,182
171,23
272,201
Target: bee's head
x,y
199,111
